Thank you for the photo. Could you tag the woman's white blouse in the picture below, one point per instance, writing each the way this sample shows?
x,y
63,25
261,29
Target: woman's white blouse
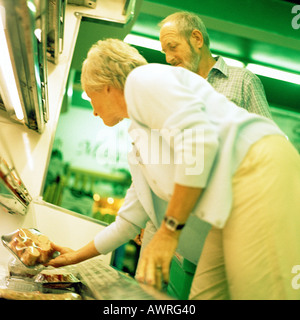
x,y
177,116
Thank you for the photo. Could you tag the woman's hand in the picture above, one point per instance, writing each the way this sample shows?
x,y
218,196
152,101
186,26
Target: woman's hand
x,y
155,261
67,256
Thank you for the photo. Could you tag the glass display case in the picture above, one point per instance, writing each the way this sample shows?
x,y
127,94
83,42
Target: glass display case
x,y
14,197
31,32
55,31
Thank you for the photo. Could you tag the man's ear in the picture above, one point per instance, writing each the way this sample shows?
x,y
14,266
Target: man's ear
x,y
197,38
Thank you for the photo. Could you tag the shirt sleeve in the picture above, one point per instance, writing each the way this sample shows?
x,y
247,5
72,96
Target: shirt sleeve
x,y
164,98
130,220
254,96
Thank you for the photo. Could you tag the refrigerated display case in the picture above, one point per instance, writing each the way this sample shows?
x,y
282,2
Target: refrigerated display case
x,y
40,82
23,36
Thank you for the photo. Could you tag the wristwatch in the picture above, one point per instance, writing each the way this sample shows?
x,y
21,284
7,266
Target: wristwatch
x,y
172,224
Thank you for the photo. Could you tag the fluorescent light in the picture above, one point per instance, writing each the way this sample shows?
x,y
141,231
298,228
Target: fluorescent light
x,y
70,92
8,85
233,62
38,34
31,6
274,73
143,42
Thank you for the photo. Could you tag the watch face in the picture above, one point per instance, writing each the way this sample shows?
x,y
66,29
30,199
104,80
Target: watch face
x,y
171,223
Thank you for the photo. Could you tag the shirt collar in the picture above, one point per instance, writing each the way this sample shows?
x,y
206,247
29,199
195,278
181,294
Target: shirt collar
x,y
220,65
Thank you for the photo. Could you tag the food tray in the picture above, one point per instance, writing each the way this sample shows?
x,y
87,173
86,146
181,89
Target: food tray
x,y
56,278
7,238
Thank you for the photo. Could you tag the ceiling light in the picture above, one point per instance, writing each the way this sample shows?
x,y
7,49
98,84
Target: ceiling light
x,y
274,73
143,42
8,85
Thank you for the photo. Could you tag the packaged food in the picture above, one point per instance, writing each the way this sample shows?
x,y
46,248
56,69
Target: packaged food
x,y
55,275
17,269
36,295
30,246
56,278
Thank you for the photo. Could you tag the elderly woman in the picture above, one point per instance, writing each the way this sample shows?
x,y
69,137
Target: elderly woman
x,y
200,165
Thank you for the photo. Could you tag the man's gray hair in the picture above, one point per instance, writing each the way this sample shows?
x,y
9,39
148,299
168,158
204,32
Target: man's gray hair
x,y
186,22
109,62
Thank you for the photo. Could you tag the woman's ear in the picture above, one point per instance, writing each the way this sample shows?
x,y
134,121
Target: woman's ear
x,y
107,89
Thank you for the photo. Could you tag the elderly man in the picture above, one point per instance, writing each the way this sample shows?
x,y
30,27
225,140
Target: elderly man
x,y
185,41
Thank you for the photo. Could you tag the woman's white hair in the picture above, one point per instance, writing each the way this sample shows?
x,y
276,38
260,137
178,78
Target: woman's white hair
x,y
109,62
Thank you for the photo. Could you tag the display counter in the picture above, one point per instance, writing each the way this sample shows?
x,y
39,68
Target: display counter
x,y
96,281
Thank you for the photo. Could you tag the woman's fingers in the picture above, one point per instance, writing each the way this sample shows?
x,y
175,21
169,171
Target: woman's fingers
x,y
150,272
165,272
56,247
140,272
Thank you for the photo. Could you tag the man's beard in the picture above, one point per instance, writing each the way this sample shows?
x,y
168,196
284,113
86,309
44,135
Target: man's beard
x,y
194,61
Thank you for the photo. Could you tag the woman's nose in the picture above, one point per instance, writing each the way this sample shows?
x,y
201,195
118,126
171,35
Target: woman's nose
x,y
168,58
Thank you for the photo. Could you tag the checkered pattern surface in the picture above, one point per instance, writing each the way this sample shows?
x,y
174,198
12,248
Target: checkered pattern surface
x,y
240,86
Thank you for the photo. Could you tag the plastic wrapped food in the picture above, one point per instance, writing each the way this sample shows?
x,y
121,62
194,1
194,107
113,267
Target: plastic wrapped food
x,y
36,295
17,269
30,246
56,278
55,275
